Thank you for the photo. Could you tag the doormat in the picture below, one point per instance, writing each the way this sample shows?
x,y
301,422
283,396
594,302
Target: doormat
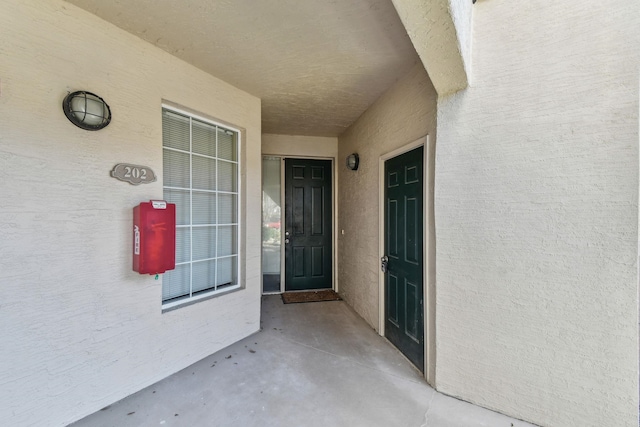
x,y
310,296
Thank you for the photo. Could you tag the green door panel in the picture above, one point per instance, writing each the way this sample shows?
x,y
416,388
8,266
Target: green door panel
x,y
403,228
308,210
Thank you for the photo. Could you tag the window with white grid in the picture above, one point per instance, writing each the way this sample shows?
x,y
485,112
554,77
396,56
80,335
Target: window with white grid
x,y
200,170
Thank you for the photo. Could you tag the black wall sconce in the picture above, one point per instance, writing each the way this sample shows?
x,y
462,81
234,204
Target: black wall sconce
x,y
86,110
353,160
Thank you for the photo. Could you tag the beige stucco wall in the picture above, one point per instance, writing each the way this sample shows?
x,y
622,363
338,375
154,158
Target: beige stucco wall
x,y
440,32
406,112
79,329
536,210
299,145
462,14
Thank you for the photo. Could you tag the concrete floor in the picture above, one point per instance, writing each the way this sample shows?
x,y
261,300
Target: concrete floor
x,y
315,364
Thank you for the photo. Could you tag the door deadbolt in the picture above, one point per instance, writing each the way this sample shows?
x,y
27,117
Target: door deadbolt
x,y
384,264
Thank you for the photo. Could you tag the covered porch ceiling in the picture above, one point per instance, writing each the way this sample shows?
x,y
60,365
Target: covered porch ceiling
x,y
316,65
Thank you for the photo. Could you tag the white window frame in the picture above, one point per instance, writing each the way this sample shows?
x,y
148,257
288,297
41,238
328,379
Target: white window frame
x,y
207,294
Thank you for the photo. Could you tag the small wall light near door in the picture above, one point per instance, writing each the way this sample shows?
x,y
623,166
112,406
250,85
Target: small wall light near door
x,y
86,110
353,160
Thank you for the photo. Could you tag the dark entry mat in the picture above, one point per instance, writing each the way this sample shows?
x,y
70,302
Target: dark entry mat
x,y
310,296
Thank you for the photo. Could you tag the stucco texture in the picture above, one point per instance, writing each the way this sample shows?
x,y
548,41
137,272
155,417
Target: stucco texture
x,y
79,329
299,145
406,112
536,207
316,65
440,33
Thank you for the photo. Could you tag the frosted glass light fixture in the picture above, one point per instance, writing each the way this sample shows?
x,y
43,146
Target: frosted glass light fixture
x,y
86,110
353,160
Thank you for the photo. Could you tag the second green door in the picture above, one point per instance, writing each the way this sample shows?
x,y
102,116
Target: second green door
x,y
308,228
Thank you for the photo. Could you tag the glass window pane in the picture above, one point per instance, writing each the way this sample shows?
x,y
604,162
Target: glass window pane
x,y
183,207
175,283
227,272
204,173
227,240
175,130
227,145
204,242
227,176
175,169
204,275
197,182
183,244
227,209
204,138
271,215
204,208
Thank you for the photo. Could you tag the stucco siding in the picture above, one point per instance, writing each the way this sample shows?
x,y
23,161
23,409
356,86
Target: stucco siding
x,y
79,328
299,145
536,209
462,13
440,33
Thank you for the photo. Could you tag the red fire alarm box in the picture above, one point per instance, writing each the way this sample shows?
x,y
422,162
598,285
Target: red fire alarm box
x,y
154,237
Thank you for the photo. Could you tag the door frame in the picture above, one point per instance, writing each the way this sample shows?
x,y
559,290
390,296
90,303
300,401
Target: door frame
x,y
334,217
428,284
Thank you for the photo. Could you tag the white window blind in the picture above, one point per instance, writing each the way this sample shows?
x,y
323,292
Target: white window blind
x,y
200,170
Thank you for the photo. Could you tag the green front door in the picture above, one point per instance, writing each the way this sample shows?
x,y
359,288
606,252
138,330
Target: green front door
x,y
404,320
307,224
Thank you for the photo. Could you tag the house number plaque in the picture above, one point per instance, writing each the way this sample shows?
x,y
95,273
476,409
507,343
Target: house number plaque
x,y
133,174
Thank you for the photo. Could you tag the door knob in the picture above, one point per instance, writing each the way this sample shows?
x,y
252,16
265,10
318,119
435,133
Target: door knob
x,y
384,264
286,241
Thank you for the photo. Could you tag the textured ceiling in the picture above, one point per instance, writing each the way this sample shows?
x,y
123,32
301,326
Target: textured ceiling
x,y
316,64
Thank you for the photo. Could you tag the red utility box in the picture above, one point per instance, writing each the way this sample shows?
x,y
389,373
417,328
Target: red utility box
x,y
154,237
